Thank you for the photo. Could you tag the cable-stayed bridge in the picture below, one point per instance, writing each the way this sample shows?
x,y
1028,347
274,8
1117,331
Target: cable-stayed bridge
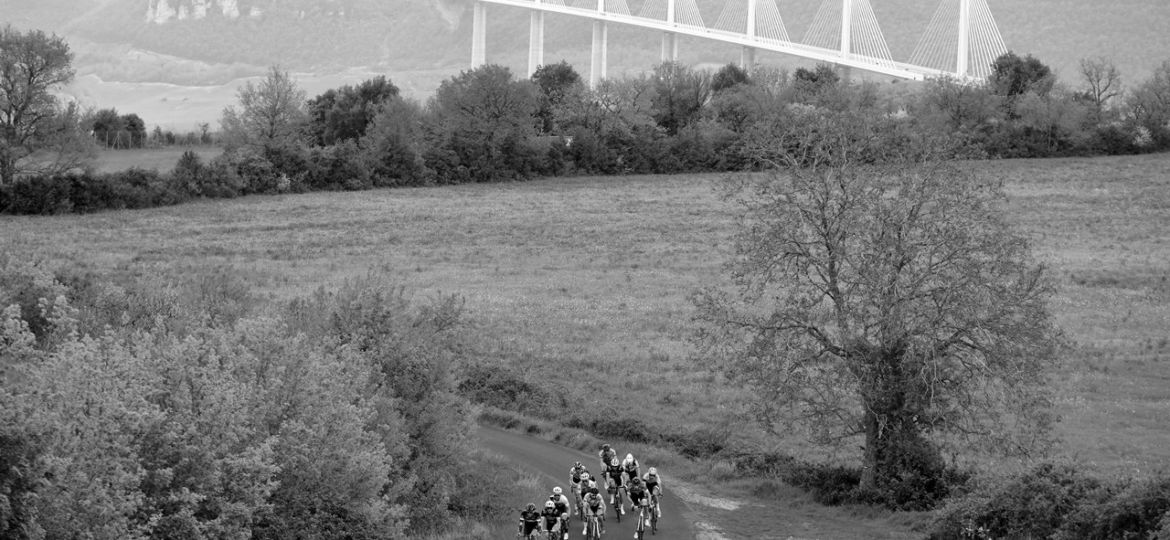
x,y
961,40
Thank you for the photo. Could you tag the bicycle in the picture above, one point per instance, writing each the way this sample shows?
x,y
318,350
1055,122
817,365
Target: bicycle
x,y
654,511
593,528
616,491
640,531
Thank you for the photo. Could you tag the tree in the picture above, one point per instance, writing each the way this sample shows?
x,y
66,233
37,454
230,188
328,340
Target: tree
x,y
1013,76
106,126
957,104
344,114
271,115
679,95
888,299
481,120
1102,81
37,134
557,83
1149,105
729,76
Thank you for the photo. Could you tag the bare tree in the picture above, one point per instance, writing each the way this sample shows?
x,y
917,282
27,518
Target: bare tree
x,y
37,134
1103,80
271,115
889,301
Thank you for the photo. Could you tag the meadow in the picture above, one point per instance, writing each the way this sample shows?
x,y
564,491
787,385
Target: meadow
x,y
582,284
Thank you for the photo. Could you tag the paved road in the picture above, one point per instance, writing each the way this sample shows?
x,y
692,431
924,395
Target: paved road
x,y
553,461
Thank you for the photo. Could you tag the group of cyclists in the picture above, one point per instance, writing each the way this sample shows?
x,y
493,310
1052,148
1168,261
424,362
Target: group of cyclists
x,y
616,476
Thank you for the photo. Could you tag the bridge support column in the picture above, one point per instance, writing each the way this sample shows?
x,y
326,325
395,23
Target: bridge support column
x,y
747,58
964,38
597,59
535,41
478,34
669,47
846,27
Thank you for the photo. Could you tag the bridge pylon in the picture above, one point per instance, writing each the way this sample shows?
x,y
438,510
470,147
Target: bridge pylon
x,y
478,34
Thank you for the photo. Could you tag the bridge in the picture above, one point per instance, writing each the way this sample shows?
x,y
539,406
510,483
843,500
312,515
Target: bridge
x,y
961,40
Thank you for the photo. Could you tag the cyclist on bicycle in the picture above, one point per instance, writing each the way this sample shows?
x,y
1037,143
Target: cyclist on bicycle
x,y
630,467
551,517
529,521
561,503
606,455
594,507
654,486
613,480
638,494
577,477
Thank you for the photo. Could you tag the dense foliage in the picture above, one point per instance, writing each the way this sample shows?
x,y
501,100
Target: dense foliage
x,y
163,409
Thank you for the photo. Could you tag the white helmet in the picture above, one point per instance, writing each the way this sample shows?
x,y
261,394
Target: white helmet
x,y
549,504
653,471
629,458
557,490
584,475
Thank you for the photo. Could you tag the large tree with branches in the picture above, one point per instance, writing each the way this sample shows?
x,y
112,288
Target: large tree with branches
x,y
881,295
37,134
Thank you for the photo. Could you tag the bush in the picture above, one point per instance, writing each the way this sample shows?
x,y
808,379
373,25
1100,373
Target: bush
x,y
1033,505
1119,511
505,388
700,444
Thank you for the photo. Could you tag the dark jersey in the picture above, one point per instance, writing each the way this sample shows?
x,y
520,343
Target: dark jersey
x,y
550,515
614,474
651,482
531,520
561,507
637,493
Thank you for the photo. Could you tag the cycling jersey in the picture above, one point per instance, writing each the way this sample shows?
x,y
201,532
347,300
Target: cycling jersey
x,y
530,521
651,482
575,475
637,493
594,505
614,474
551,518
607,456
562,504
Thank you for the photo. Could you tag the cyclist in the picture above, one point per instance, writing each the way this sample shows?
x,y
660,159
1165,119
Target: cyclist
x,y
529,521
594,506
654,486
577,476
638,494
630,467
613,480
606,455
551,517
561,503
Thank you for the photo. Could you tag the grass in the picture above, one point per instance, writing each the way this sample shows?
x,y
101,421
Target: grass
x,y
159,159
582,283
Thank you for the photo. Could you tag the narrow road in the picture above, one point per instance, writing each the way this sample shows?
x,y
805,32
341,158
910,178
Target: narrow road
x,y
553,461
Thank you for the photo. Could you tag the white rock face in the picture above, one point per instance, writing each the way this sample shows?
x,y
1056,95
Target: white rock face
x,y
164,11
160,11
231,8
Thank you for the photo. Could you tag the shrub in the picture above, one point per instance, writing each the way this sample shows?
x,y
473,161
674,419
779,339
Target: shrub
x,y
1033,505
1120,511
701,443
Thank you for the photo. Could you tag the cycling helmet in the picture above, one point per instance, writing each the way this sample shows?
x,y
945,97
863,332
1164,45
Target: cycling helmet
x,y
653,471
577,465
637,481
557,490
593,489
629,458
549,504
584,475
614,462
531,507
592,484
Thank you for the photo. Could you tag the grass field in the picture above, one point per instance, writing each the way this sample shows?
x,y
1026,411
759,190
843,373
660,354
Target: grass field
x,y
159,159
585,280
